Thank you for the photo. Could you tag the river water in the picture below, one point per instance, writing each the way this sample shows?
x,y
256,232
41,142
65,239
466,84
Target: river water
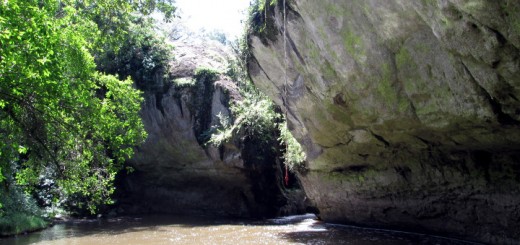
x,y
302,229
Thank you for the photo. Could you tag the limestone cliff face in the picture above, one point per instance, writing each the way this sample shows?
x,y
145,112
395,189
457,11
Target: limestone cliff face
x,y
409,111
174,171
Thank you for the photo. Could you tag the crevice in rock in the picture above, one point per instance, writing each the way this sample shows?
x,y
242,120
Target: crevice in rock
x,y
364,156
496,107
495,64
350,169
179,103
482,160
404,172
221,151
335,145
293,48
500,38
260,67
381,139
338,100
158,102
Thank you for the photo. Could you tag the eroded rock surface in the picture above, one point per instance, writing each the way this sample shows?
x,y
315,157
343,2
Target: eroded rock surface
x,y
175,172
409,111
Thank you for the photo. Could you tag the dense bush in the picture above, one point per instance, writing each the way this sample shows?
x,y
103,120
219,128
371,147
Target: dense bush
x,y
255,116
144,55
19,212
58,114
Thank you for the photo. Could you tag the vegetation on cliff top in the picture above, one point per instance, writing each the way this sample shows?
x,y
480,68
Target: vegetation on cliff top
x,y
261,22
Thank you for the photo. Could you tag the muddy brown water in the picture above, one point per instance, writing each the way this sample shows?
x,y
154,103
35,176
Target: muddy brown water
x,y
164,229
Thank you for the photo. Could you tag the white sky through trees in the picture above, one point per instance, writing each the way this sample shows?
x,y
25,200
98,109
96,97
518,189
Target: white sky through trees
x,y
223,15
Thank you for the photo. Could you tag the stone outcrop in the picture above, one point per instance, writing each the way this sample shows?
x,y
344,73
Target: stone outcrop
x,y
175,172
409,111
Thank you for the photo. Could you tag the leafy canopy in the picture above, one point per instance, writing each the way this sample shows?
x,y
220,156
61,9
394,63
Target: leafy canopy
x,y
59,116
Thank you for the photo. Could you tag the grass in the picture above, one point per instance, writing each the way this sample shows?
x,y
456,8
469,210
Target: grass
x,y
18,223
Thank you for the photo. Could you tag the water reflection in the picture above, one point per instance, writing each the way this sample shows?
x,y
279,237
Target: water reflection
x,y
303,229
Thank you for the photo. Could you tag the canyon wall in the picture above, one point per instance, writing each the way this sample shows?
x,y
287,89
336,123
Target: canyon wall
x,y
408,111
175,170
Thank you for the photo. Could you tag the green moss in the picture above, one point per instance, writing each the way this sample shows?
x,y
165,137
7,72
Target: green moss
x,y
354,46
512,10
403,58
388,92
325,39
314,53
357,178
333,9
361,178
405,63
329,73
340,114
385,85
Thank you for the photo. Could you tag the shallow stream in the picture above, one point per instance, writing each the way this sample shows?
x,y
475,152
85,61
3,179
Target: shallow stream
x,y
164,229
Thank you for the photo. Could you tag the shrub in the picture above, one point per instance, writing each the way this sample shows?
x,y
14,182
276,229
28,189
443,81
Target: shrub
x,y
294,154
19,212
144,55
17,223
255,116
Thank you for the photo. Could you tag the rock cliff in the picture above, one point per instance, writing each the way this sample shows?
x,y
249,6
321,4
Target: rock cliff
x,y
175,172
409,111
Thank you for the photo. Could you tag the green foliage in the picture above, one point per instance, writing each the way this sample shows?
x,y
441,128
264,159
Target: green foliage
x,y
17,223
261,22
60,117
236,67
184,82
205,75
142,54
19,212
15,200
204,89
255,115
294,154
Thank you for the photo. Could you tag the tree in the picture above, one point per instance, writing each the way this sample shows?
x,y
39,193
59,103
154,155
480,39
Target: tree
x,y
59,116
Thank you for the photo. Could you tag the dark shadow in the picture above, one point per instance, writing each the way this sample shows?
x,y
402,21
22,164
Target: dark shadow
x,y
343,234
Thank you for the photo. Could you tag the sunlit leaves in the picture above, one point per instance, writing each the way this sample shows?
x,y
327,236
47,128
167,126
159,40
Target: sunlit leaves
x,y
294,154
59,117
